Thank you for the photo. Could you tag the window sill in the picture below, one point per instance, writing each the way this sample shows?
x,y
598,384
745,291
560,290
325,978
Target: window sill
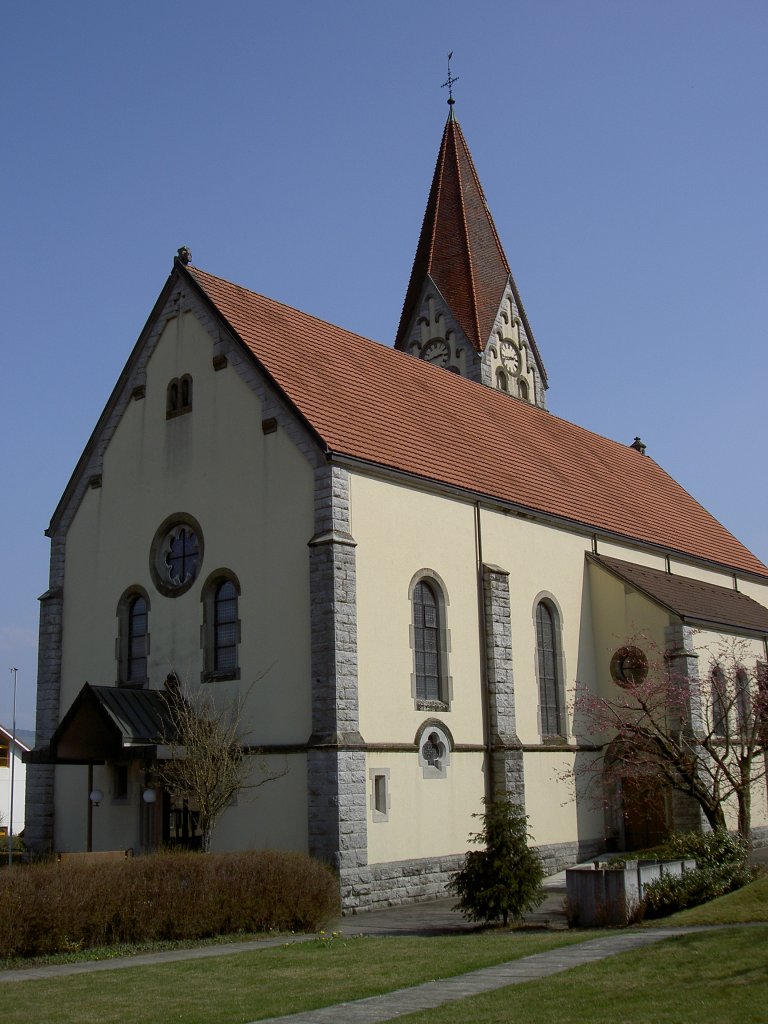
x,y
173,413
221,677
432,705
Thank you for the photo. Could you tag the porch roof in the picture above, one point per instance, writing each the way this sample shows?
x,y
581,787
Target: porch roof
x,y
107,723
694,601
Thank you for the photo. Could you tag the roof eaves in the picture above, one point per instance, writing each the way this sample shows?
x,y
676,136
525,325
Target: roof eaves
x,y
688,617
438,486
14,739
729,624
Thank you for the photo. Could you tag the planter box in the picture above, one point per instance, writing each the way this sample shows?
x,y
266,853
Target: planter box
x,y
601,895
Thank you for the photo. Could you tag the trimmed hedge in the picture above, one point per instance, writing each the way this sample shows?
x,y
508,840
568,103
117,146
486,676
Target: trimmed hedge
x,y
721,867
49,907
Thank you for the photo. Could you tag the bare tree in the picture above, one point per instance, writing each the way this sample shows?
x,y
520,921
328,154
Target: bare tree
x,y
705,737
207,765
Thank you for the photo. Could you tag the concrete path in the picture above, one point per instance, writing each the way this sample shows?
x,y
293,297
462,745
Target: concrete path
x,y
446,990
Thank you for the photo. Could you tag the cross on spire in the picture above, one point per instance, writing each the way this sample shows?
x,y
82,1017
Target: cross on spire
x,y
449,83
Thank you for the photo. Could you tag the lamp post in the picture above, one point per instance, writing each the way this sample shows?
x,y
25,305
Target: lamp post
x,y
12,757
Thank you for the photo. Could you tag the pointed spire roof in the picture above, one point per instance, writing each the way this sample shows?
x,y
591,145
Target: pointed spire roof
x,y
459,247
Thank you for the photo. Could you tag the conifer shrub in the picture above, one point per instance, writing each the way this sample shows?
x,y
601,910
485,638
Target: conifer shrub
x,y
49,907
503,880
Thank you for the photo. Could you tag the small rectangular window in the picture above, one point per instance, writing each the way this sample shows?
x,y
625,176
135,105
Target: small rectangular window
x,y
3,753
380,794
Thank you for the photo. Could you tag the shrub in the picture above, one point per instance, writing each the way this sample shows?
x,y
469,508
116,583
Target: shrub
x,y
46,908
708,848
504,879
721,867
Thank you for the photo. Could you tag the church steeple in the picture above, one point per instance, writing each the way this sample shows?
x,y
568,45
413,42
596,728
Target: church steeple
x,y
462,308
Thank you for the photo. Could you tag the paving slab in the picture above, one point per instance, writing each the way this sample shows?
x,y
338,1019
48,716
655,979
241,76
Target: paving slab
x,y
387,1007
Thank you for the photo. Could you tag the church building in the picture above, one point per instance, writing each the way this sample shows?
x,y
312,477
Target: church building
x,y
399,558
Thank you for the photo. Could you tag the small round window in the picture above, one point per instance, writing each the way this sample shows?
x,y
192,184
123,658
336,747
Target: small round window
x,y
629,666
177,554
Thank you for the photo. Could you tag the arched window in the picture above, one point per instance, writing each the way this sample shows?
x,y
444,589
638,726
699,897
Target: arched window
x,y
522,387
743,699
501,381
426,627
225,628
549,666
221,626
178,396
172,398
133,638
719,702
429,640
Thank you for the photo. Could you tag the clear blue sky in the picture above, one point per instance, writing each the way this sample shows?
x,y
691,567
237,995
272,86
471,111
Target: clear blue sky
x,y
622,147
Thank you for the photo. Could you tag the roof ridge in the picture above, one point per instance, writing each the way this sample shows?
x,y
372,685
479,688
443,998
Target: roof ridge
x,y
287,306
465,226
438,177
481,190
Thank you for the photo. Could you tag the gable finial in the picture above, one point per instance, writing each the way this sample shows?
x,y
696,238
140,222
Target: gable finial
x,y
449,83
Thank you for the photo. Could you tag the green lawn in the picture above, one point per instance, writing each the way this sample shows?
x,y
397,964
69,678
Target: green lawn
x,y
264,983
709,978
747,904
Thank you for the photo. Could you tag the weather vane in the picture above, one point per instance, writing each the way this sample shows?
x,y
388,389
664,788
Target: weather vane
x,y
450,82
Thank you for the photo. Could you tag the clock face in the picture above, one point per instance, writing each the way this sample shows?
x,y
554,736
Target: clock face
x,y
510,356
436,352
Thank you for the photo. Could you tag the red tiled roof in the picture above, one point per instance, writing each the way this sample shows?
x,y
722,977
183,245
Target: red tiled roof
x,y
374,403
459,247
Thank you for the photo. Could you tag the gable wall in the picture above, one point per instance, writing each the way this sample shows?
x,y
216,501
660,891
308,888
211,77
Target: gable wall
x,y
252,495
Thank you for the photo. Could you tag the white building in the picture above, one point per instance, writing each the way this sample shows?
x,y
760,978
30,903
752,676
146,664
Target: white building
x,y
11,756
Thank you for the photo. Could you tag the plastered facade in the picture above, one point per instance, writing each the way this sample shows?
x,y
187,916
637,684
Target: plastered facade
x,y
327,557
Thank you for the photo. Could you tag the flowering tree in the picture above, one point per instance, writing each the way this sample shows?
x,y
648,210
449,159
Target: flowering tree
x,y
705,737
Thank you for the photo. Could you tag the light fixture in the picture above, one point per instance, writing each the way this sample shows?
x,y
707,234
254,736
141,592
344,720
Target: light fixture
x,y
149,796
96,796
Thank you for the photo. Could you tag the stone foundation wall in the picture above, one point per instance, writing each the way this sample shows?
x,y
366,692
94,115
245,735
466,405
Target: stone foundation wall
x,y
559,856
413,881
395,882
